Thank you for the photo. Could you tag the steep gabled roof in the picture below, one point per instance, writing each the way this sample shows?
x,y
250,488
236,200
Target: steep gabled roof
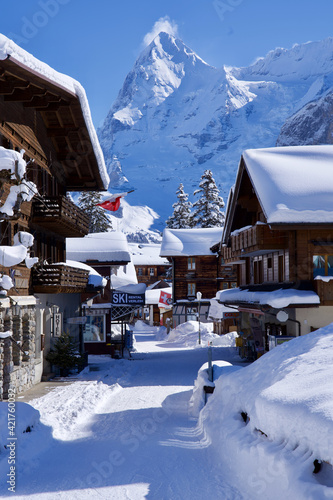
x,y
61,103
293,184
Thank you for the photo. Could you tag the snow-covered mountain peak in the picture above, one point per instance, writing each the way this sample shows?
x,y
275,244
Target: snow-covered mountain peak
x,y
303,61
176,116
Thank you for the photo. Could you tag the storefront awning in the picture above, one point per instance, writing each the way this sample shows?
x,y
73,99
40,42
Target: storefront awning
x,y
277,299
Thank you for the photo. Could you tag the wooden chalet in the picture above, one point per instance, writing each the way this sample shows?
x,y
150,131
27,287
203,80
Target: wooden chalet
x,y
194,269
278,235
149,266
108,253
45,115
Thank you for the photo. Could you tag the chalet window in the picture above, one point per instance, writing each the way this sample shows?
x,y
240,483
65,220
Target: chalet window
x,y
191,263
322,265
191,289
140,271
151,271
94,329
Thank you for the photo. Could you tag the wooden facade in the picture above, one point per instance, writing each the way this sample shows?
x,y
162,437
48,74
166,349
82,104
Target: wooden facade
x,y
150,273
46,120
276,256
44,116
194,274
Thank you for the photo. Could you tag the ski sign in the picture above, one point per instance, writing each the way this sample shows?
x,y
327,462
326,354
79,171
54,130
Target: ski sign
x,y
127,299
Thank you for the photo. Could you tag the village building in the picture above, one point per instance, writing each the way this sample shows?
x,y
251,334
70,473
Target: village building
x,y
195,269
150,267
48,147
278,233
108,253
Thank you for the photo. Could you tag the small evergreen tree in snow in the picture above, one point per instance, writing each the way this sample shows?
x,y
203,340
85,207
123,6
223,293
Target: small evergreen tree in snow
x,y
207,209
181,217
99,221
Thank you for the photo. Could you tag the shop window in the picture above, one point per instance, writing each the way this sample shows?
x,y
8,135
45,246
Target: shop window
x,y
191,289
322,265
191,263
94,329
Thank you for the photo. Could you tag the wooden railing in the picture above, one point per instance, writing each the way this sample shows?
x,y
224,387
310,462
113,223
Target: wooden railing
x,y
59,278
61,215
255,238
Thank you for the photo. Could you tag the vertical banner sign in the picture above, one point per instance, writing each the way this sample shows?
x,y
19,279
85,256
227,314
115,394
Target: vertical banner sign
x,y
57,324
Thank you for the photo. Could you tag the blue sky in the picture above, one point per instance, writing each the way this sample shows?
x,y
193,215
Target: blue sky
x,y
97,41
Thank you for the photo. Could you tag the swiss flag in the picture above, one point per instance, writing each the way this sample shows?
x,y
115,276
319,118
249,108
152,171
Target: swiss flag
x,y
112,203
165,298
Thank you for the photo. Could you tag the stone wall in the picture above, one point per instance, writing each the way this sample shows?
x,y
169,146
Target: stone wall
x,y
17,369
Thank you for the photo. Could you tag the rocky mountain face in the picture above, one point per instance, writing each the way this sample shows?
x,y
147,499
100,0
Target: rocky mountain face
x,y
176,116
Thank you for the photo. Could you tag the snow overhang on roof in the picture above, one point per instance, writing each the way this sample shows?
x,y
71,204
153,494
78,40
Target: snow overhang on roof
x,y
26,79
277,299
187,242
99,247
144,254
219,311
293,184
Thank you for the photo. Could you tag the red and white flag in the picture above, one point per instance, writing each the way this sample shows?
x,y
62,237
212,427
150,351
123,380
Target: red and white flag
x,y
112,202
165,298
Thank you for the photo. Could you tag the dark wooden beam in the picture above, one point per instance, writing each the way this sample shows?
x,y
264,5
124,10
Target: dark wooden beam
x,y
21,95
61,131
41,101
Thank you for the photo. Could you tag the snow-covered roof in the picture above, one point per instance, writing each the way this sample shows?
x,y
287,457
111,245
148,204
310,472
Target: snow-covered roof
x,y
294,184
278,298
9,49
186,242
145,254
102,247
94,279
217,310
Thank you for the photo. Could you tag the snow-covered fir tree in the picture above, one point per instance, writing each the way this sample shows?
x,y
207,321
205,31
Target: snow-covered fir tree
x,y
207,209
99,221
181,217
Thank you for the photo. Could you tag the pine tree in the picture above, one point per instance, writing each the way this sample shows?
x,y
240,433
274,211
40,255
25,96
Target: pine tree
x,y
207,210
99,221
181,217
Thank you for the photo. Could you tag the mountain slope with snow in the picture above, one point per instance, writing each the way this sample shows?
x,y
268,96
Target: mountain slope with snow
x,y
176,116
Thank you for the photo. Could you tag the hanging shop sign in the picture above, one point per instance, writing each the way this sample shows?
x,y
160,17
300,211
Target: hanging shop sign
x,y
57,324
227,315
127,299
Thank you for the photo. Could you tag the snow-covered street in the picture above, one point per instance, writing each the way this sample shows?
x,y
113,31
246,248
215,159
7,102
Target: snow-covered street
x,y
122,430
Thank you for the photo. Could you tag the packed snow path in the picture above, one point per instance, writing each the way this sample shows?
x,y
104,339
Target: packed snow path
x,y
124,432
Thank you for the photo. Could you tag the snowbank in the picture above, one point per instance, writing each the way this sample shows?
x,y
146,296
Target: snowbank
x,y
25,419
188,334
197,401
278,413
68,409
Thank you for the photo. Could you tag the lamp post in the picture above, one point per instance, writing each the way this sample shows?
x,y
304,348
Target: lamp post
x,y
199,296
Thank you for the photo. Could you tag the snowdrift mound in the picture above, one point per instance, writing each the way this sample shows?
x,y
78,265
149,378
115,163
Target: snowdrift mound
x,y
24,419
287,395
68,410
188,334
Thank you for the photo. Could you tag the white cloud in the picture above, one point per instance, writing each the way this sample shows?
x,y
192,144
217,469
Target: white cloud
x,y
163,24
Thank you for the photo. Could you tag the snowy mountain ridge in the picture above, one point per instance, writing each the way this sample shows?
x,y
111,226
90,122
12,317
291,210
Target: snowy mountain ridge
x,y
177,116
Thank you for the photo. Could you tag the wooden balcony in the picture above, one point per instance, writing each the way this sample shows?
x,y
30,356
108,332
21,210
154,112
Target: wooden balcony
x,y
59,278
252,241
60,215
